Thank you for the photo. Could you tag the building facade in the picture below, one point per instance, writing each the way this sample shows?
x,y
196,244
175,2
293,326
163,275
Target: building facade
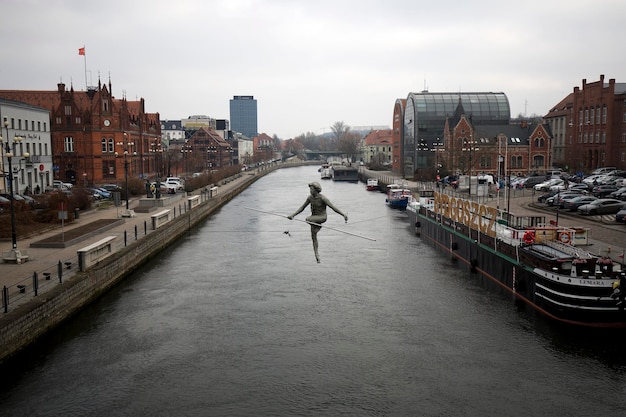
x,y
590,127
32,156
243,115
425,115
378,147
95,137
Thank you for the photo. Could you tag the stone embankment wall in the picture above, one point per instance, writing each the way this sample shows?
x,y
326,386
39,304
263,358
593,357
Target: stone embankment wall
x,y
29,322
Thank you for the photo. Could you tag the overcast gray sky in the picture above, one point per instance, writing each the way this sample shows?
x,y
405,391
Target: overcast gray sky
x,y
312,63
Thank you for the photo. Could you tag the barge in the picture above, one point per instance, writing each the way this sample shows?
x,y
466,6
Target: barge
x,y
542,266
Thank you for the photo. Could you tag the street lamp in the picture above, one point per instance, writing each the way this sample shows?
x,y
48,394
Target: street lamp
x,y
15,253
127,145
211,151
186,150
155,148
469,146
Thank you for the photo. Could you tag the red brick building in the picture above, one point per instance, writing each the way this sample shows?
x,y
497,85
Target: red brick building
x,y
589,127
500,150
397,134
207,150
91,130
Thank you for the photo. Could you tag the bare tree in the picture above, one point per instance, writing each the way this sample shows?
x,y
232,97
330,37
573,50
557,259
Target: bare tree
x,y
339,130
350,145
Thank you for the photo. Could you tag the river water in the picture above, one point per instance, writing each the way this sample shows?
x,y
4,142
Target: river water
x,y
238,319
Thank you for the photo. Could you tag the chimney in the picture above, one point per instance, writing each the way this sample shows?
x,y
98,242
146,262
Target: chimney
x,y
61,87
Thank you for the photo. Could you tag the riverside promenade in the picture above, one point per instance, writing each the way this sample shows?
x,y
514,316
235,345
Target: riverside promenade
x,y
48,262
606,237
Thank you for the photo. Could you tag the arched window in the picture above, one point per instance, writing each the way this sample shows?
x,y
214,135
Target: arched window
x,y
104,145
111,147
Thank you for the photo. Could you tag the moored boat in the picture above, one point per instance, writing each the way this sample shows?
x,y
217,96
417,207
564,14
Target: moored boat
x,y
543,266
372,184
345,173
397,196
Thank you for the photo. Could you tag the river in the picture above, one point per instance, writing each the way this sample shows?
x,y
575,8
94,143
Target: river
x,y
238,319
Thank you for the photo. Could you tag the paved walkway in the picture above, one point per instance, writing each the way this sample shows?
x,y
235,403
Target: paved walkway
x,y
43,261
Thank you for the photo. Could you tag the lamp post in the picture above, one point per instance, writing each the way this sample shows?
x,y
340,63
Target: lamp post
x,y
469,146
155,148
436,147
186,150
212,151
15,254
127,145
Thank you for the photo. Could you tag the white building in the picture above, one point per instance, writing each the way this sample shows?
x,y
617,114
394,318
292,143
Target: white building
x,y
32,156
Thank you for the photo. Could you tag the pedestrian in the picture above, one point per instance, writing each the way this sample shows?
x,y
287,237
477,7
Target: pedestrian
x,y
318,203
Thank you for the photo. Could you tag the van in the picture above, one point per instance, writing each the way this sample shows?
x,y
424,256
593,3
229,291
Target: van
x,y
553,174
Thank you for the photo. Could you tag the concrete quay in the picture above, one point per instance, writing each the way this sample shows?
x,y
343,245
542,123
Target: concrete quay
x,y
606,237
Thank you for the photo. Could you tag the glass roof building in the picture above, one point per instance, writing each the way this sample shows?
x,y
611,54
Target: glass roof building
x,y
425,116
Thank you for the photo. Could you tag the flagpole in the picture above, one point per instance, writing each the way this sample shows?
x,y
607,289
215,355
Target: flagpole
x,y
85,61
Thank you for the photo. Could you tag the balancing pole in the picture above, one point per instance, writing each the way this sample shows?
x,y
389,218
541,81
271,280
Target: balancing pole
x,y
313,223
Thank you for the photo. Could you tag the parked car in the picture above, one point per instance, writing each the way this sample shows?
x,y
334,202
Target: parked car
x,y
560,199
111,188
619,194
530,182
620,216
31,201
581,200
602,206
543,197
177,185
5,203
602,191
545,186
579,187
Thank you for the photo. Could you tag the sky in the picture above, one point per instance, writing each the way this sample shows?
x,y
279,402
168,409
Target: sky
x,y
310,63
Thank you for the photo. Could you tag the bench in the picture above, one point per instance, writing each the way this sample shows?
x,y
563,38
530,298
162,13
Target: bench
x,y
160,218
193,201
95,252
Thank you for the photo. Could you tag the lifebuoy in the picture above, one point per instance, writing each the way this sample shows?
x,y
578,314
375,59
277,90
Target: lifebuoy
x,y
529,238
564,237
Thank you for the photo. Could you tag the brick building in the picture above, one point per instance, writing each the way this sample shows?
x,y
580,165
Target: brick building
x,y
589,127
91,131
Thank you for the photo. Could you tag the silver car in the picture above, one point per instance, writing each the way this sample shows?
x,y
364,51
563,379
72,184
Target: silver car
x,y
602,206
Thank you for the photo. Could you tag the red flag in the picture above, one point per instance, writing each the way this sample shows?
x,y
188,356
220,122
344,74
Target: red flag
x,y
81,51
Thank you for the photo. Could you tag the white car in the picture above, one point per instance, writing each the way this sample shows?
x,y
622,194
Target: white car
x,y
178,186
545,186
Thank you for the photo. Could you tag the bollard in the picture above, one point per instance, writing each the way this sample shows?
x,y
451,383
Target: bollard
x,y
35,283
124,238
136,232
145,227
60,272
5,299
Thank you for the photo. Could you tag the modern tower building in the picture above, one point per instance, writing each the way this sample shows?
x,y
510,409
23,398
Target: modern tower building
x,y
243,115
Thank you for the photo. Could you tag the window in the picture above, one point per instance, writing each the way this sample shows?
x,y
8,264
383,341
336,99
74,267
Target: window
x,y
69,144
597,137
39,126
104,145
585,137
593,115
111,147
603,137
68,110
604,115
108,169
598,116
